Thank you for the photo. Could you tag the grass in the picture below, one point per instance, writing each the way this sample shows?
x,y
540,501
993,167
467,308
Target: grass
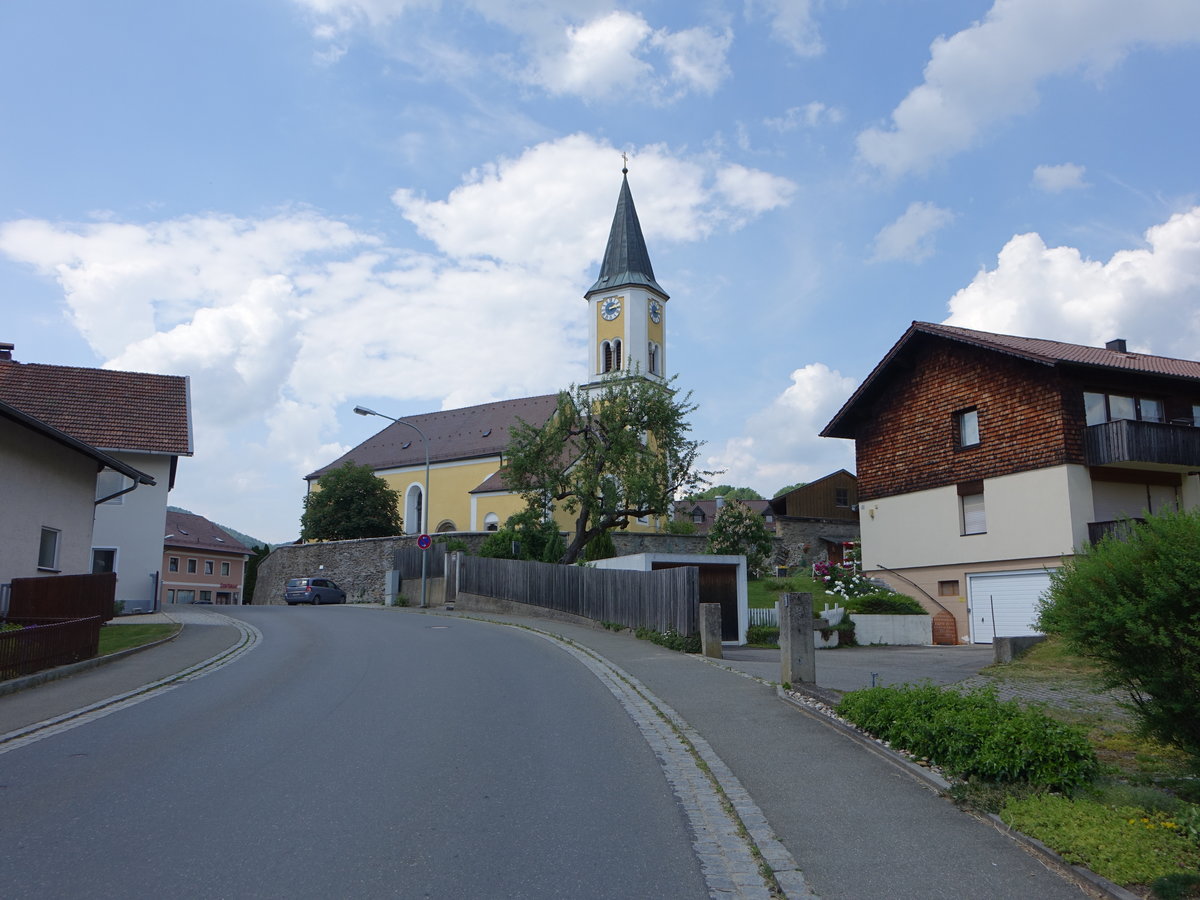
x,y
115,638
761,593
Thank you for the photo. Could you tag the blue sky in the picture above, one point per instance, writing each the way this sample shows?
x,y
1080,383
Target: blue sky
x,y
308,204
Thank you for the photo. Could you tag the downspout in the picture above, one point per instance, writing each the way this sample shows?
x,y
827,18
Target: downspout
x,y
132,487
917,586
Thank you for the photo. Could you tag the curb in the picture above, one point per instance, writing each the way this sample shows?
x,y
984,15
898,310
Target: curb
x,y
13,685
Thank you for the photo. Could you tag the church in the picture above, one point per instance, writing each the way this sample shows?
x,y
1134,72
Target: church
x,y
627,323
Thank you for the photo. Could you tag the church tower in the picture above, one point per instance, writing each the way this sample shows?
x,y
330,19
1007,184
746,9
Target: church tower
x,y
627,309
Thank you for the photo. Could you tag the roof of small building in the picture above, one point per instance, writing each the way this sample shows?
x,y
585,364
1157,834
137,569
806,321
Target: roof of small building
x,y
1035,350
110,410
685,511
188,531
472,432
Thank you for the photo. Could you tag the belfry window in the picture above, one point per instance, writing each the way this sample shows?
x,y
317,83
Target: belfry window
x,y
611,351
652,358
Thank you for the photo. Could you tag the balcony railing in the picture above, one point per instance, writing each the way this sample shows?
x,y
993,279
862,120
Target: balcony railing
x,y
1153,443
1119,529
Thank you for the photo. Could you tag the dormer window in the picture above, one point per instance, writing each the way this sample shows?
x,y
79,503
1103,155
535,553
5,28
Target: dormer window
x,y
698,516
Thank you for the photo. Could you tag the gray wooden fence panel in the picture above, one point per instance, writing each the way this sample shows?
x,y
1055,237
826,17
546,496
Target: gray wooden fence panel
x,y
407,561
666,600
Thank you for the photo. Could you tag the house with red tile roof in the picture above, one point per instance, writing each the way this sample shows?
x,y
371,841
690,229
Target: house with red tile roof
x,y
201,562
48,479
985,459
142,420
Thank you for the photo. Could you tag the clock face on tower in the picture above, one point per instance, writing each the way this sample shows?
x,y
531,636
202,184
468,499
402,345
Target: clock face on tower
x,y
655,312
611,308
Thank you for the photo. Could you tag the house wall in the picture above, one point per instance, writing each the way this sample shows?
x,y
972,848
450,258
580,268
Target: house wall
x,y
907,441
1032,514
134,528
819,499
216,583
45,484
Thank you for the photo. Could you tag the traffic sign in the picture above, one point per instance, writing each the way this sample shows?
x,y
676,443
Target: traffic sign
x,y
424,542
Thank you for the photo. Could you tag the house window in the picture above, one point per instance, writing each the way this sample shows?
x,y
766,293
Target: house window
x,y
103,560
172,563
170,596
968,427
491,522
841,496
206,596
185,596
224,568
208,567
48,549
947,588
109,482
191,567
698,516
1100,408
973,518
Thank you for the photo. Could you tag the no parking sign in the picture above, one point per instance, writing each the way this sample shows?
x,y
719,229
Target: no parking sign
x,y
424,542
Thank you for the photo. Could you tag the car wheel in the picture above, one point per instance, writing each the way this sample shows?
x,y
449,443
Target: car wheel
x,y
316,599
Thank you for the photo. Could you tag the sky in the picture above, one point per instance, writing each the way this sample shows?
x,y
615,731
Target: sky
x,y
306,205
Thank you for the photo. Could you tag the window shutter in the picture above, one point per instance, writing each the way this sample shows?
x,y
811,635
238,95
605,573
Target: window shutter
x,y
974,518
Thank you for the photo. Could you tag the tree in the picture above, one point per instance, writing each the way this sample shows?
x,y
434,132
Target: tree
x,y
729,492
526,535
737,529
788,488
258,553
350,502
606,456
1133,606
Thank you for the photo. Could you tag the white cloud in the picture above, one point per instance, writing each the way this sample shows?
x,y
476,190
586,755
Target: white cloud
x,y
1150,295
1056,179
283,321
990,71
599,60
791,23
811,115
781,443
696,57
910,237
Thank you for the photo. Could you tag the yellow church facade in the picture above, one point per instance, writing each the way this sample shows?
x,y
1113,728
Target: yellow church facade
x,y
465,447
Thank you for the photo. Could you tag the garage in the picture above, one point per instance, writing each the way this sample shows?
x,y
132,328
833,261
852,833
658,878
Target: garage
x,y
1004,604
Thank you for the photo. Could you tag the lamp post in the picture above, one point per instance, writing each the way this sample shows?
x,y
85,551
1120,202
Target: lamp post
x,y
422,527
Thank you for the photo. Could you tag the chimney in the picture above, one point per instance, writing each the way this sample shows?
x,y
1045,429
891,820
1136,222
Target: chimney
x,y
1117,344
720,501
6,351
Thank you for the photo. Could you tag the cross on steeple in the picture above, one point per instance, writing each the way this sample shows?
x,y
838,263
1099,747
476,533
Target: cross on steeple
x,y
624,163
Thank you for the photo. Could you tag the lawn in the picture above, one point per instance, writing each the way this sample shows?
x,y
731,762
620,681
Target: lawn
x,y
115,638
763,592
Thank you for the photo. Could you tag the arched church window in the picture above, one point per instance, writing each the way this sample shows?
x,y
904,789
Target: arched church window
x,y
652,358
616,354
446,525
606,364
491,522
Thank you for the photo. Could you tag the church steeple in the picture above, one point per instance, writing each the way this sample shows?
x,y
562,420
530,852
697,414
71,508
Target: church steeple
x,y
626,260
627,307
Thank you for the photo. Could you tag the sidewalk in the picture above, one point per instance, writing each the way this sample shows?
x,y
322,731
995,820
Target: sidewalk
x,y
859,826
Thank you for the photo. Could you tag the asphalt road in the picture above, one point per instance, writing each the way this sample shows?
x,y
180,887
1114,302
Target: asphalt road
x,y
353,754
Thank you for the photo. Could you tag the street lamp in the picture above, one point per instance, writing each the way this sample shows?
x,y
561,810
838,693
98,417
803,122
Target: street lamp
x,y
423,527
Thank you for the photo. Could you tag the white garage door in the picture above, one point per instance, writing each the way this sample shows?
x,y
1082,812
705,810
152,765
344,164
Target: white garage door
x,y
1005,604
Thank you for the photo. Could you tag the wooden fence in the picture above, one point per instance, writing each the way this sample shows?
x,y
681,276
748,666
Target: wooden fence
x,y
57,597
407,561
36,647
666,600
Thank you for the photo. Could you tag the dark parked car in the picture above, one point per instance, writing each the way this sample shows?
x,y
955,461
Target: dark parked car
x,y
312,590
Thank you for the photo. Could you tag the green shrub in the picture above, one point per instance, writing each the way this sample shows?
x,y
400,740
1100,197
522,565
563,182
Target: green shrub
x,y
1133,607
671,639
762,634
972,734
1180,886
1124,844
453,545
885,603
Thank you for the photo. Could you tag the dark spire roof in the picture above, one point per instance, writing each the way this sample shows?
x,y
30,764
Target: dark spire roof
x,y
626,261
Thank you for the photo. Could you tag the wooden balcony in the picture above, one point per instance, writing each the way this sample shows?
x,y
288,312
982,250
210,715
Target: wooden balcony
x,y
1148,444
1120,529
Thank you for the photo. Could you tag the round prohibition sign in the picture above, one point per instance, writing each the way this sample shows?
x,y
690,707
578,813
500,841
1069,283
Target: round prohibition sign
x,y
424,542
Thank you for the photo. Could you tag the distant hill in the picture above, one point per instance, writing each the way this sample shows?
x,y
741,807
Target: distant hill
x,y
246,539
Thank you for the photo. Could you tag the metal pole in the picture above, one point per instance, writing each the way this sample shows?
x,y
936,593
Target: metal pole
x,y
423,526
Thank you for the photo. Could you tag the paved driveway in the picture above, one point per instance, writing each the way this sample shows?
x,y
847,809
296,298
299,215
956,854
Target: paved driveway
x,y
851,668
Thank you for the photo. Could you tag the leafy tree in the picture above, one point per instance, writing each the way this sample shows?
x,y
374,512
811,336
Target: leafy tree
x,y
729,492
258,553
606,456
351,502
681,526
1133,606
739,529
788,488
600,547
534,537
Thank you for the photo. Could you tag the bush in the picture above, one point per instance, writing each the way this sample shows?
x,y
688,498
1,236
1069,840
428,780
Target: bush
x,y
762,634
1121,843
885,603
972,734
737,529
534,538
1133,607
672,640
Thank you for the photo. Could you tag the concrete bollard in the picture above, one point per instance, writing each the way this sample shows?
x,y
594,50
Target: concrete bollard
x,y
797,649
710,630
